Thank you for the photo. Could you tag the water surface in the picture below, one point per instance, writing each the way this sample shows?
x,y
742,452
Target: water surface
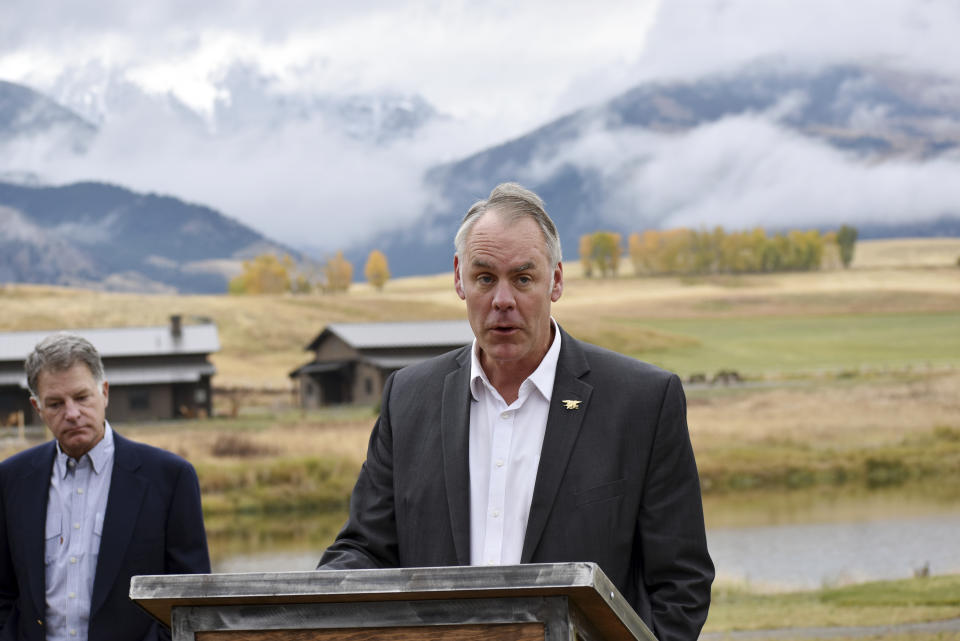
x,y
770,541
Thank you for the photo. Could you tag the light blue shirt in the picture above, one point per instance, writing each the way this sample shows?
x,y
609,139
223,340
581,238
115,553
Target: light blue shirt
x,y
76,506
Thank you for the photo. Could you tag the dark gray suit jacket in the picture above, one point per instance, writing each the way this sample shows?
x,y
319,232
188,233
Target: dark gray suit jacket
x,y
153,525
617,482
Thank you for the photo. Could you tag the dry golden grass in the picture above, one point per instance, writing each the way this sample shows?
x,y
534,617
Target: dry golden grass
x,y
907,252
262,337
343,439
864,413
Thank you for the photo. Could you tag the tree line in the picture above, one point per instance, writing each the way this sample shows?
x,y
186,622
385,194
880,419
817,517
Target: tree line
x,y
273,274
695,252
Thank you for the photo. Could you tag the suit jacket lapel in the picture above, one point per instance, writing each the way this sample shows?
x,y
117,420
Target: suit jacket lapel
x,y
455,435
32,492
563,426
123,507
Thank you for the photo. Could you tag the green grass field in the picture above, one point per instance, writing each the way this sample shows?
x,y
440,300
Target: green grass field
x,y
805,344
865,604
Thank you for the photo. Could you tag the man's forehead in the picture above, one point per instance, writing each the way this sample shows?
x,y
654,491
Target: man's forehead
x,y
504,219
486,239
522,265
75,376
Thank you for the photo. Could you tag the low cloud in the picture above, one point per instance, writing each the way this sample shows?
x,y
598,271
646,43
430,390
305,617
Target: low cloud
x,y
748,171
303,183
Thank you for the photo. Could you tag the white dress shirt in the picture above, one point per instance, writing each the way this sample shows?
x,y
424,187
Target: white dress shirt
x,y
505,443
76,505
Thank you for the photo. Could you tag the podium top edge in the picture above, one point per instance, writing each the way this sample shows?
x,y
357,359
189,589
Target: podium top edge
x,y
583,582
352,583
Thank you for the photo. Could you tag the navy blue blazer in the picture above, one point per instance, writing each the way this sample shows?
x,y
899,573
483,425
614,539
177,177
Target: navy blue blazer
x,y
617,482
153,525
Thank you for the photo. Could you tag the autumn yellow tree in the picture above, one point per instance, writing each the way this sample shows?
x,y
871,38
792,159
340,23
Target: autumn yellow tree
x,y
264,274
643,250
338,273
376,269
605,252
831,252
586,258
687,251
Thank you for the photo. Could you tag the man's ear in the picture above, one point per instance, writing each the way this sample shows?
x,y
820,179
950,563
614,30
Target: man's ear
x,y
33,401
457,282
106,393
557,289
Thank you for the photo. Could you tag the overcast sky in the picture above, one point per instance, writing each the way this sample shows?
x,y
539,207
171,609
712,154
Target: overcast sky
x,y
495,70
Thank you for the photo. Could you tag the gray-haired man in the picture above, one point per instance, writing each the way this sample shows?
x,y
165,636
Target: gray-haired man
x,y
81,514
530,446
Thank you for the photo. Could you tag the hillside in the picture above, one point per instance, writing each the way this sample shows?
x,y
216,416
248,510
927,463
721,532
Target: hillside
x,y
26,114
103,236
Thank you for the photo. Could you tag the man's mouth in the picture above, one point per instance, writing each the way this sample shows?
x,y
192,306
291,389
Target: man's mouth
x,y
71,431
504,329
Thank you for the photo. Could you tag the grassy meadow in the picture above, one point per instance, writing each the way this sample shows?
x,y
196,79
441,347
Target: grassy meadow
x,y
850,383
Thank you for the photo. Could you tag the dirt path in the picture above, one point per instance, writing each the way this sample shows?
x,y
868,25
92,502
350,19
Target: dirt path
x,y
928,627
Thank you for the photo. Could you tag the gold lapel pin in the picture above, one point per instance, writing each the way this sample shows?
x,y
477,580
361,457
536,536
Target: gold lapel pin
x,y
571,405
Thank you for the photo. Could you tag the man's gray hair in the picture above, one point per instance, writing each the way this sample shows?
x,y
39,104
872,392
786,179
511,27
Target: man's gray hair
x,y
59,352
514,202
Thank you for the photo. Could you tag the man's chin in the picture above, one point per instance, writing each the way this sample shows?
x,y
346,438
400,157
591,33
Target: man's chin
x,y
504,353
76,440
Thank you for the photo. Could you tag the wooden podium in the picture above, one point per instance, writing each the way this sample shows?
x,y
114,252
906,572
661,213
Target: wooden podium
x,y
553,601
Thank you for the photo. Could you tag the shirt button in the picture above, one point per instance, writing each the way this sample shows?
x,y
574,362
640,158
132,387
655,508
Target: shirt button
x,y
73,559
499,462
491,562
73,632
505,415
496,513
76,526
79,490
72,595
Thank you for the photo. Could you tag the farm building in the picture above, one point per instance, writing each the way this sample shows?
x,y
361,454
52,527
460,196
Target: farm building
x,y
154,372
352,360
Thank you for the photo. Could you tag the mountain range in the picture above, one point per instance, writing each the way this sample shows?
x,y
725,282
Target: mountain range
x,y
869,116
246,98
107,237
613,165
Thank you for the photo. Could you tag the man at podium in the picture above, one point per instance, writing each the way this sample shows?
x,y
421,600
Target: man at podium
x,y
530,446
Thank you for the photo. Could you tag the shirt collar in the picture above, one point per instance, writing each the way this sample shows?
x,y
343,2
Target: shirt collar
x,y
542,377
100,455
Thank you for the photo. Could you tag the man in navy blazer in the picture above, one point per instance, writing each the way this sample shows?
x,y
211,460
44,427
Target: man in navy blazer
x,y
531,446
83,513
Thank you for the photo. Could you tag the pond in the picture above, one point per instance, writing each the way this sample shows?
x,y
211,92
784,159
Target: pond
x,y
767,541
817,538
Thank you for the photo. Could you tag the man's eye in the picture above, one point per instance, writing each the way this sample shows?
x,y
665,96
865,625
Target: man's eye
x,y
524,280
483,279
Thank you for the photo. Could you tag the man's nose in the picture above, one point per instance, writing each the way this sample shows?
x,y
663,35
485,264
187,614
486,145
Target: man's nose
x,y
503,296
71,409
